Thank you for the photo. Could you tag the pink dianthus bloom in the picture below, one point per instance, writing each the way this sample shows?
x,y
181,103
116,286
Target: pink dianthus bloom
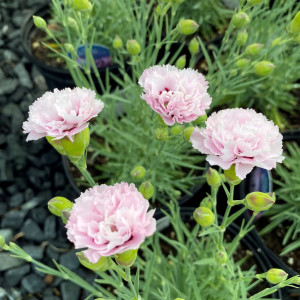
x,y
108,220
177,95
242,137
60,114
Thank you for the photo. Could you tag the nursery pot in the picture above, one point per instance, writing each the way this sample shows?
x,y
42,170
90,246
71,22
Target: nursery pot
x,y
56,77
248,241
291,135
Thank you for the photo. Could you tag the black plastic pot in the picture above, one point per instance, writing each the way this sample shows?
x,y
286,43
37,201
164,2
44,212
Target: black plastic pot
x,y
56,77
291,135
233,229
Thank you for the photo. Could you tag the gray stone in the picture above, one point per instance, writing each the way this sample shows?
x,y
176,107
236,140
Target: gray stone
x,y
33,283
7,233
35,252
18,94
13,110
16,200
2,75
10,55
3,208
51,298
13,276
32,231
13,219
69,260
3,294
232,4
9,262
69,291
7,86
39,215
50,227
23,76
30,204
38,79
51,253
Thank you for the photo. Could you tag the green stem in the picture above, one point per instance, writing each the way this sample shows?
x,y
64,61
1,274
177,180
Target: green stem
x,y
131,285
87,176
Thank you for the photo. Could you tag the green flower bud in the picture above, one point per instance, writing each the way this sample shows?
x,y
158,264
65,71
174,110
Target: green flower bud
x,y
194,46
231,177
162,133
240,19
187,133
69,48
255,2
213,178
176,129
187,26
82,4
295,24
276,276
138,172
242,38
253,49
39,22
2,241
117,42
146,189
102,265
275,42
233,73
296,280
180,62
206,202
127,258
133,47
204,216
221,257
179,299
73,24
201,119
258,201
57,204
158,9
264,68
243,62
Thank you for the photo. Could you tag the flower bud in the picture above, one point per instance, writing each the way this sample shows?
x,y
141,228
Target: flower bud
x,y
276,276
240,19
187,133
200,119
258,201
102,265
264,68
243,62
162,133
2,241
231,177
69,48
138,172
73,24
133,47
276,41
206,202
204,216
57,204
233,73
180,62
253,49
296,280
255,2
146,189
213,178
295,24
242,38
81,4
179,299
127,258
39,22
187,26
176,129
117,42
194,46
221,257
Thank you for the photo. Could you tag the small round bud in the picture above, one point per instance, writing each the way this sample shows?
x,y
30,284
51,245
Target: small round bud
x,y
73,24
187,26
133,47
39,22
158,9
231,177
180,62
258,201
240,19
264,68
81,4
117,43
102,265
276,276
127,258
162,133
176,129
194,46
138,172
255,2
57,204
201,119
242,38
2,241
206,202
295,24
69,48
187,133
253,49
233,73
243,62
204,216
221,257
146,189
213,178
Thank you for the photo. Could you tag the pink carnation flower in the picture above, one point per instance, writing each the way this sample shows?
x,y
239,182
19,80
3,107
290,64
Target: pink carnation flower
x,y
242,137
109,220
177,95
62,113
